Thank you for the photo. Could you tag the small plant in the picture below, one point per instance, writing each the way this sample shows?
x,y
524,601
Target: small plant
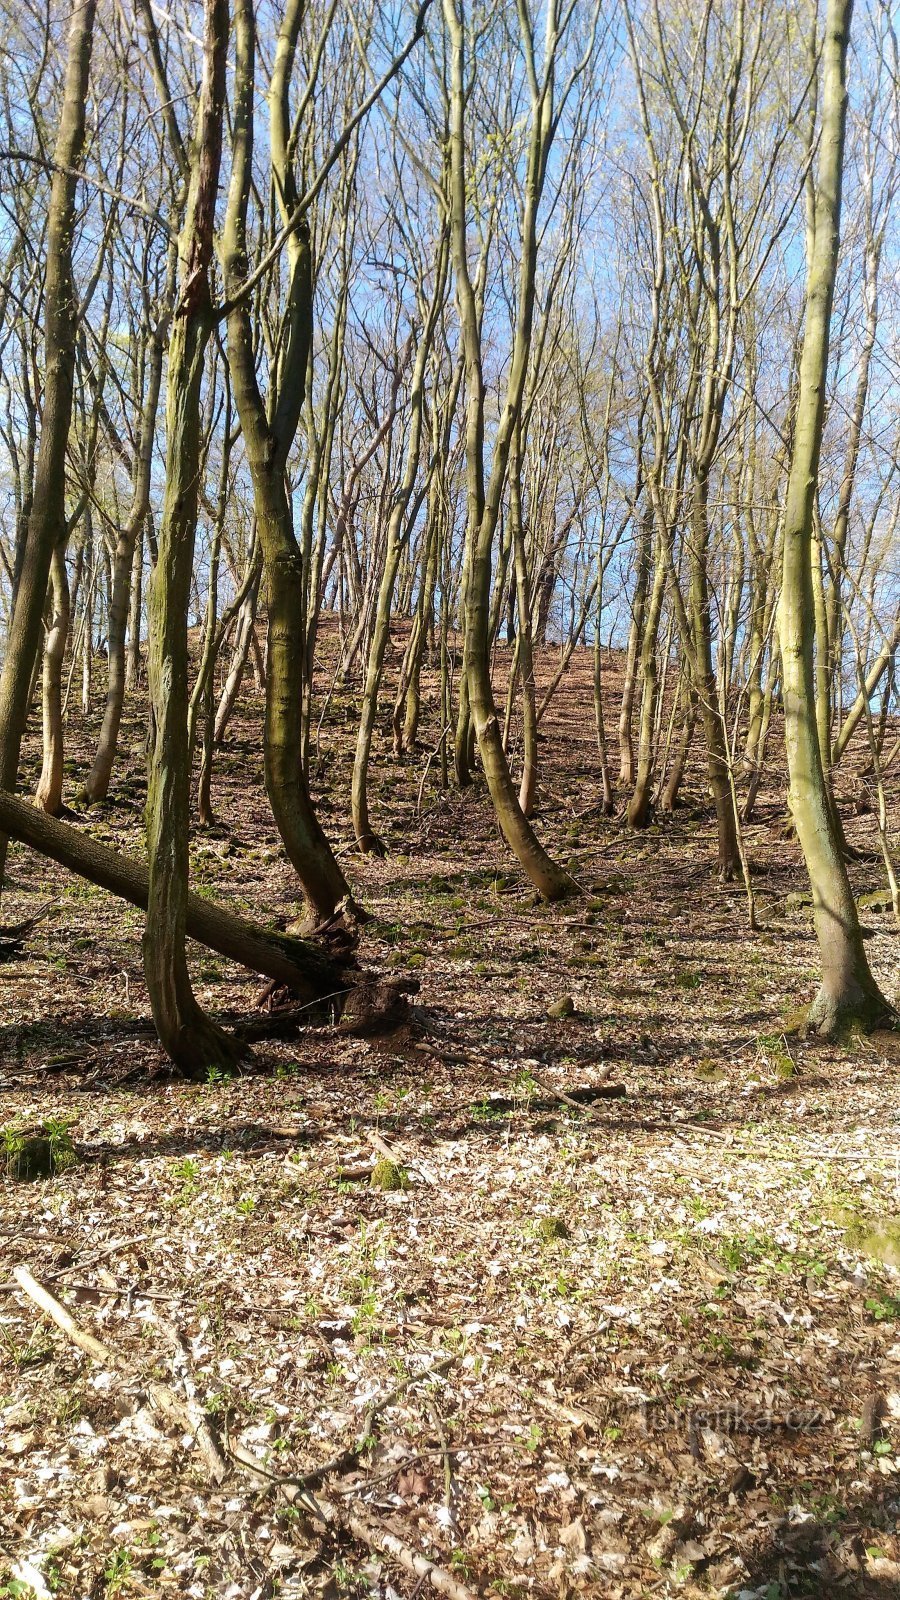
x,y
487,1110
118,1571
884,1307
68,1407
28,1156
187,1170
739,1251
773,1051
38,1349
689,980
524,1085
711,1070
347,1578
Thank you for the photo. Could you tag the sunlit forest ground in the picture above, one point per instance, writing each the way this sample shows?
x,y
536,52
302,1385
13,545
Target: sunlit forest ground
x,y
633,1307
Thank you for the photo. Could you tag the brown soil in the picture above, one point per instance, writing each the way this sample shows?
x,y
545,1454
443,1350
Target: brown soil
x,y
659,1320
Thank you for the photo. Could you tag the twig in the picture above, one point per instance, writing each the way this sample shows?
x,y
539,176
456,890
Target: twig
x,y
445,1453
418,1565
206,1439
584,1106
343,1459
110,1249
353,1521
58,1314
870,1421
161,1397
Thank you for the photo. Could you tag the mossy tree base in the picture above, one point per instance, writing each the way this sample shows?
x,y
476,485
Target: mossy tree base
x,y
859,1011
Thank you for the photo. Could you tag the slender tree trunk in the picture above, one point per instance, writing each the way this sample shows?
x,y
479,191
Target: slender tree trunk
x,y
88,596
205,700
126,582
268,436
407,703
609,799
48,795
189,1037
873,677
528,784
848,995
243,634
671,789
633,653
399,528
759,757
463,753
638,809
47,520
716,743
822,674
135,612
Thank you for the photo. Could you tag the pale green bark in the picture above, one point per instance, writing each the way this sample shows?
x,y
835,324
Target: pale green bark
x,y
47,520
848,995
192,1041
398,532
484,499
48,795
268,436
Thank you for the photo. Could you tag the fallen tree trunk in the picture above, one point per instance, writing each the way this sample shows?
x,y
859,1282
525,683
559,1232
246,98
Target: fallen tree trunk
x,y
306,968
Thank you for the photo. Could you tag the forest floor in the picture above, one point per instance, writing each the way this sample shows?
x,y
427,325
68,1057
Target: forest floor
x,y
633,1346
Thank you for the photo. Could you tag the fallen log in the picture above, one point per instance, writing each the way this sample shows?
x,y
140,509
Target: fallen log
x,y
307,968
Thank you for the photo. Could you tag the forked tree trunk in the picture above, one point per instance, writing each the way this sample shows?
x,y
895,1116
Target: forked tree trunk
x,y
189,1037
848,996
483,500
268,436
